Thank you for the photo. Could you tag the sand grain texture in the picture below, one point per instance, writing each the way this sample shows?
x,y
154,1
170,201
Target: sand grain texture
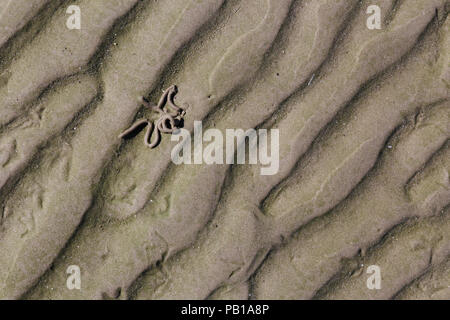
x,y
364,123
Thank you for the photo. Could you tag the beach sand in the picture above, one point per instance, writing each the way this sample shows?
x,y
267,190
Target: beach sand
x,y
363,117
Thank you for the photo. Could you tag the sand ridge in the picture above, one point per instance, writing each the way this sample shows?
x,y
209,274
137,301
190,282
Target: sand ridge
x,y
364,122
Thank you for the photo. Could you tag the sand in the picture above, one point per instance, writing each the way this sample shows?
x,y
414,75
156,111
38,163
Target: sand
x,y
364,123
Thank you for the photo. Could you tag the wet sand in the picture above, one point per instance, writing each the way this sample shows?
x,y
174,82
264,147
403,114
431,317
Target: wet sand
x,y
364,124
